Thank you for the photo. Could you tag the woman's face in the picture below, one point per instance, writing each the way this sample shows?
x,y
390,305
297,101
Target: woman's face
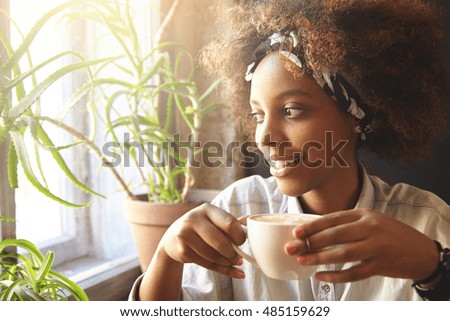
x,y
309,138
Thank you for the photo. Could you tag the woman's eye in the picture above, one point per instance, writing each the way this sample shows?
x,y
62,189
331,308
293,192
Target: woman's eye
x,y
257,117
293,112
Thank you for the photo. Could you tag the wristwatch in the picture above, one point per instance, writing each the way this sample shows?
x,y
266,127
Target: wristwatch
x,y
440,292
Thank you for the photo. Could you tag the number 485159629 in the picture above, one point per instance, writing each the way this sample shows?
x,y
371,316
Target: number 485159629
x,y
295,311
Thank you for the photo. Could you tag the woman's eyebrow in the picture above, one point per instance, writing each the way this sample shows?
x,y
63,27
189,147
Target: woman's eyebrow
x,y
294,92
284,94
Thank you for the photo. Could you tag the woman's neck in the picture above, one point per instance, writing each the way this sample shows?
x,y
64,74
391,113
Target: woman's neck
x,y
339,193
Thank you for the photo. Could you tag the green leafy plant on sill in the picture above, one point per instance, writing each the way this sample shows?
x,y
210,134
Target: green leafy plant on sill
x,y
30,277
140,101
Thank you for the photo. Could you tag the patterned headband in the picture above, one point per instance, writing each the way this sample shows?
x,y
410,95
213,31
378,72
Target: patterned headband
x,y
334,85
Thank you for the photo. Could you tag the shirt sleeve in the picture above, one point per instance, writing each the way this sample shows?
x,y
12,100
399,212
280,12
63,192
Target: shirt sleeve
x,y
134,293
200,284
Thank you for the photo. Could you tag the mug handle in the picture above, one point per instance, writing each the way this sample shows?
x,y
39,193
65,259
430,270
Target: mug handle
x,y
246,256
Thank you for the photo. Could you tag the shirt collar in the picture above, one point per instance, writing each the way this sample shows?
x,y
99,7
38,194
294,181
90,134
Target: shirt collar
x,y
293,205
365,200
367,196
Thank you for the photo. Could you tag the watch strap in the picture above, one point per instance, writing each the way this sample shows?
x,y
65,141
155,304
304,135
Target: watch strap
x,y
436,272
441,292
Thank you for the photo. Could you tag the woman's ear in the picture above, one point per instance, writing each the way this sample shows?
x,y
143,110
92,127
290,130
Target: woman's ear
x,y
355,127
352,123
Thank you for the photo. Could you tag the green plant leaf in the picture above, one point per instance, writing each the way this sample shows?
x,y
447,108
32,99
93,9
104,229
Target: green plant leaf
x,y
169,112
3,133
205,111
112,81
117,34
5,41
20,90
46,265
209,91
4,103
7,219
14,291
24,244
28,101
152,72
74,99
37,153
61,163
19,79
181,107
23,269
23,48
74,289
12,166
25,163
108,109
173,87
162,45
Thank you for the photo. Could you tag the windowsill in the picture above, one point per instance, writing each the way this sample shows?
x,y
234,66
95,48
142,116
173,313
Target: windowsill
x,y
103,280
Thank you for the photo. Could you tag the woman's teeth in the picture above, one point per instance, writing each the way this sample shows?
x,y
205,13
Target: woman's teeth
x,y
281,164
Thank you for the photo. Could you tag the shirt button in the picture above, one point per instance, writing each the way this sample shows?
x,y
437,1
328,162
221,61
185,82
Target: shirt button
x,y
326,288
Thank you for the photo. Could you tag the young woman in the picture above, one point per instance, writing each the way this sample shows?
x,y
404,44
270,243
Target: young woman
x,y
321,79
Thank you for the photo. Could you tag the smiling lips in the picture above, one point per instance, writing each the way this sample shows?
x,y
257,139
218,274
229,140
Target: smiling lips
x,y
280,168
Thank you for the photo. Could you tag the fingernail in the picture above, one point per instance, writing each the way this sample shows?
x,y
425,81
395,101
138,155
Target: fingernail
x,y
238,274
299,232
319,277
290,248
302,260
239,261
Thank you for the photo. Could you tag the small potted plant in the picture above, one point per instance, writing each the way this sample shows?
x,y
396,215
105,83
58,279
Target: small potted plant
x,y
137,109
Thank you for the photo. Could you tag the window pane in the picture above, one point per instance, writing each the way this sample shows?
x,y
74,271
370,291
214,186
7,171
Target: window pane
x,y
38,217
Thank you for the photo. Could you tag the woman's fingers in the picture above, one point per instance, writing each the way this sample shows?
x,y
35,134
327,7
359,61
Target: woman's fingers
x,y
195,244
226,223
213,265
355,273
351,252
335,235
325,222
202,236
243,219
376,244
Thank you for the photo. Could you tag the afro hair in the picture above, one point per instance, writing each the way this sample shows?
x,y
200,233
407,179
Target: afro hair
x,y
392,52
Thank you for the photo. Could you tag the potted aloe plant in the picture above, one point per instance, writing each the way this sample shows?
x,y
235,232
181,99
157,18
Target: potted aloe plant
x,y
133,98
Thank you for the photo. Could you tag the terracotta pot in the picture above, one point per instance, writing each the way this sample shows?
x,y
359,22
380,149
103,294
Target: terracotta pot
x,y
149,222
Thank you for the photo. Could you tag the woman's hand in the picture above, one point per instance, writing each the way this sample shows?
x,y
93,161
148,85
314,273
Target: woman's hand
x,y
380,244
202,236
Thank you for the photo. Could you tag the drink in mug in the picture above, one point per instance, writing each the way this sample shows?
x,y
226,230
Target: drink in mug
x,y
267,235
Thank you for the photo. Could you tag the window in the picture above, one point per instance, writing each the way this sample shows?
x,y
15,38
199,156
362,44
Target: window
x,y
100,231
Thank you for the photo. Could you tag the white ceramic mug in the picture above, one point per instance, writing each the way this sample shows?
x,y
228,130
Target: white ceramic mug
x,y
267,235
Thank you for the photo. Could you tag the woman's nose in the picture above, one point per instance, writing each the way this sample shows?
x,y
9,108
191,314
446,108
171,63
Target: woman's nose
x,y
266,140
267,133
